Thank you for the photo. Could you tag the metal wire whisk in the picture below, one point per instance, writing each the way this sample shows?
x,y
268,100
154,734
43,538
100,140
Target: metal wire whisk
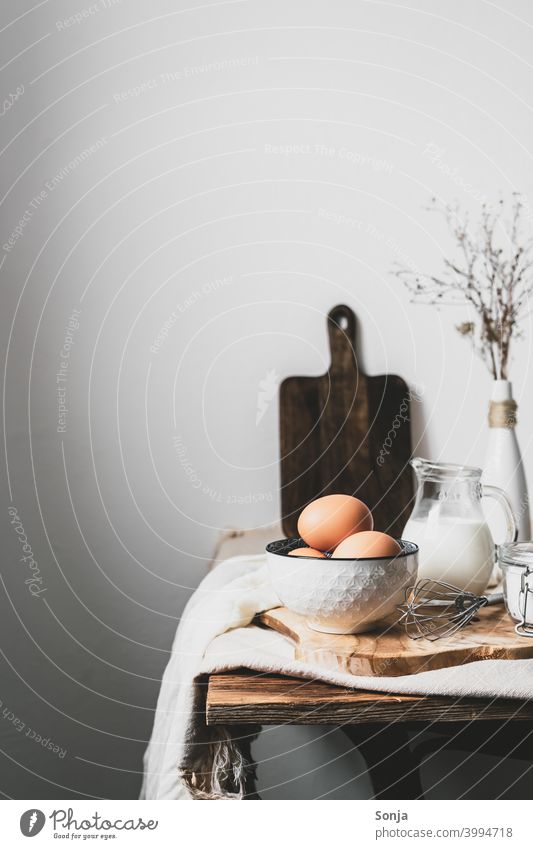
x,y
435,609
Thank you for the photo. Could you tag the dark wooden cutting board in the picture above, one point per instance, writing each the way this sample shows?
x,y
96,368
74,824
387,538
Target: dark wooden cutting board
x,y
335,431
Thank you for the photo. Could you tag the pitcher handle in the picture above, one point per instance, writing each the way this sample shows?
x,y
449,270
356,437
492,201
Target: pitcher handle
x,y
502,499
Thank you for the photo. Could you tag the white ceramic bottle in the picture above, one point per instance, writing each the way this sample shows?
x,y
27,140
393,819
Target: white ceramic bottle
x,y
503,465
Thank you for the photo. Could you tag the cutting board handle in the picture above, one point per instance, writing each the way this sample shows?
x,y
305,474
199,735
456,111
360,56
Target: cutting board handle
x,y
341,330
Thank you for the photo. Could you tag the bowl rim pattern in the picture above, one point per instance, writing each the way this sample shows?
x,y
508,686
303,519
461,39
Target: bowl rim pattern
x,y
283,547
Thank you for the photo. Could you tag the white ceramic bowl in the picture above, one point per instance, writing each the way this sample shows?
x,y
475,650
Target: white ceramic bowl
x,y
341,595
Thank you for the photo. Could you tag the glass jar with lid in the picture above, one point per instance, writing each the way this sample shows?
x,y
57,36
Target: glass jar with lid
x,y
515,559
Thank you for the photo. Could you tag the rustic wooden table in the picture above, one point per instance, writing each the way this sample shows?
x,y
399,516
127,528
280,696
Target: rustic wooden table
x,y
379,724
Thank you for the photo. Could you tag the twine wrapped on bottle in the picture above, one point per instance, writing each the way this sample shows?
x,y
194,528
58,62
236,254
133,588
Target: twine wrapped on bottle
x,y
502,413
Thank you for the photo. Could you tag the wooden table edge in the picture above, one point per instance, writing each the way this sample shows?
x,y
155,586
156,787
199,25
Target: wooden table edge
x,y
247,697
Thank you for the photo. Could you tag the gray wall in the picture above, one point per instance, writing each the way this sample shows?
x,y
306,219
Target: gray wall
x,y
199,186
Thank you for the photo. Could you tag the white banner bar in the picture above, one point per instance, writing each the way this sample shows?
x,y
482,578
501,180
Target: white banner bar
x,y
313,824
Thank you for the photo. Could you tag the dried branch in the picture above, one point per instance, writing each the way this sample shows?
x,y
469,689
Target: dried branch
x,y
492,272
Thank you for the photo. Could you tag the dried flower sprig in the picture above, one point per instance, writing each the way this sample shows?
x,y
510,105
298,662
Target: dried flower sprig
x,y
492,272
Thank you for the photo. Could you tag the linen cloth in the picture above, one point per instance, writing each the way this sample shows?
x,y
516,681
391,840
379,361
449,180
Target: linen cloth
x,y
187,759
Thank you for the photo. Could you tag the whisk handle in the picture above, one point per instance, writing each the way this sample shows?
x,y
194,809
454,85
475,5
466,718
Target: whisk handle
x,y
495,598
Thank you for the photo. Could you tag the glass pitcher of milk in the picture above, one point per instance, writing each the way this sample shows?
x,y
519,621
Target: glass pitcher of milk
x,y
448,525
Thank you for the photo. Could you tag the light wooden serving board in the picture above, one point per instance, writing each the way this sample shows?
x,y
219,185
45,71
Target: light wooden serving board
x,y
391,653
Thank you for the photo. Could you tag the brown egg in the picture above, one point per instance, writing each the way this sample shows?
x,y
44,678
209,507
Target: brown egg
x,y
325,522
368,544
305,552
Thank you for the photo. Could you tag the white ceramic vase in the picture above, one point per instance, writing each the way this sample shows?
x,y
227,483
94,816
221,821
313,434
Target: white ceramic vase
x,y
503,465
